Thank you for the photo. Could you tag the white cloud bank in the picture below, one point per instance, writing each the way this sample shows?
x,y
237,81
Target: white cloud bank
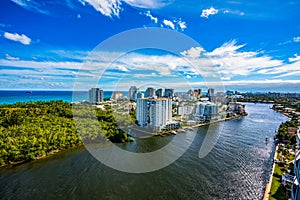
x,y
106,7
229,62
18,38
210,11
154,19
169,23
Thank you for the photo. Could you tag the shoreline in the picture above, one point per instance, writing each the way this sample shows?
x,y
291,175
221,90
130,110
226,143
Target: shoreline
x,y
269,184
49,154
53,152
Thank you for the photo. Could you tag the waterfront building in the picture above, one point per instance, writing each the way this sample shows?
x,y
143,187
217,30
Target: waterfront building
x,y
159,93
155,113
169,93
211,111
95,95
199,109
132,93
150,92
185,110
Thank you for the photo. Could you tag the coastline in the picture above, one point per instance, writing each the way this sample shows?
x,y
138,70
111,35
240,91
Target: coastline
x,y
269,184
51,153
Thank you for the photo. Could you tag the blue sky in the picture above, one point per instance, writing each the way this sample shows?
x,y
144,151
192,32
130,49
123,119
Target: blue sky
x,y
251,45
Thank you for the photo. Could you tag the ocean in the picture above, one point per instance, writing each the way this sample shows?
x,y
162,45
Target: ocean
x,y
13,96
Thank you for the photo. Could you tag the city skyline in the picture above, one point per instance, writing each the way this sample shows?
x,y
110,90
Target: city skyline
x,y
254,48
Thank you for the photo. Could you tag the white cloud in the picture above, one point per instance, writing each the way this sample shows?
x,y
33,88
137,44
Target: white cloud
x,y
230,61
226,48
169,23
148,3
122,68
193,52
32,5
18,38
148,14
182,24
78,16
210,11
296,58
108,8
9,57
296,39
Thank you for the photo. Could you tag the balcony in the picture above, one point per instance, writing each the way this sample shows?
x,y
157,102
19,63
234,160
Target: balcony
x,y
297,166
295,190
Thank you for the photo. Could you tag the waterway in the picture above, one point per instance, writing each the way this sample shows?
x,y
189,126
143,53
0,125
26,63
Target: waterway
x,y
238,167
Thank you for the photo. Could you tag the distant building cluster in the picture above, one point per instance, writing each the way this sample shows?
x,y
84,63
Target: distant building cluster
x,y
199,112
163,109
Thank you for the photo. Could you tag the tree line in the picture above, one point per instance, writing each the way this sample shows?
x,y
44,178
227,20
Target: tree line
x,y
35,129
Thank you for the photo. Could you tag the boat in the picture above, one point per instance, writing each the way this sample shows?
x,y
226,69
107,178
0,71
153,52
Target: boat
x,y
173,133
29,92
190,128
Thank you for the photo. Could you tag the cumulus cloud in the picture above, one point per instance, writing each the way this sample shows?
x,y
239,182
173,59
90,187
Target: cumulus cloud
x,y
108,8
169,23
182,24
210,11
148,14
18,38
296,39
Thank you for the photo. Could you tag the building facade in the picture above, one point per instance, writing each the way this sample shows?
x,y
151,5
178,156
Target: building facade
x,y
154,113
132,93
150,92
95,95
211,94
159,93
169,93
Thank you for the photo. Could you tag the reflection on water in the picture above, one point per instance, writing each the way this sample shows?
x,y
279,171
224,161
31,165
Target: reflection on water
x,y
238,167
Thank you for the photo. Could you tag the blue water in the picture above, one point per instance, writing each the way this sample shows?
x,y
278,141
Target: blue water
x,y
9,97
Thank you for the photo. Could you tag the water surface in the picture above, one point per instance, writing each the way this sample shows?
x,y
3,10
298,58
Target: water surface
x,y
238,167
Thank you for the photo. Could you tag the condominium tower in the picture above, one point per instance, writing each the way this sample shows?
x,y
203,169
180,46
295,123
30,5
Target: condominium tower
x,y
154,113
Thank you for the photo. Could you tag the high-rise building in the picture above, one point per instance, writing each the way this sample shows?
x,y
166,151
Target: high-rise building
x,y
199,109
169,93
295,191
211,94
116,95
132,93
198,93
211,110
154,113
140,95
150,92
159,93
95,95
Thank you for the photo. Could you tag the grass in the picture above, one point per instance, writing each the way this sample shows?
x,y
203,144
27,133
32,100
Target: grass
x,y
278,192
